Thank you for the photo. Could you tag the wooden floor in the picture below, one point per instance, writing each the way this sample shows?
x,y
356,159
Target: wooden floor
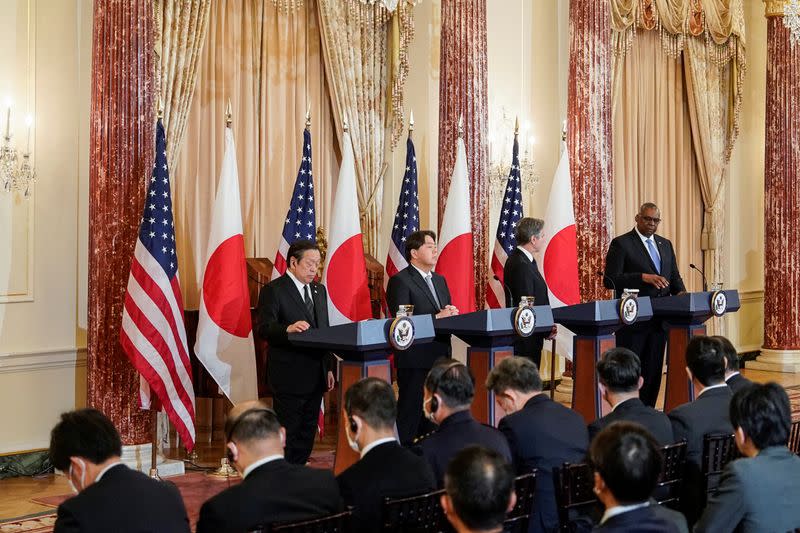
x,y
16,493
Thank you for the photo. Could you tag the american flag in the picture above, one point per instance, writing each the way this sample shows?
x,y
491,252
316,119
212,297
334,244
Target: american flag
x,y
300,222
153,333
505,242
406,218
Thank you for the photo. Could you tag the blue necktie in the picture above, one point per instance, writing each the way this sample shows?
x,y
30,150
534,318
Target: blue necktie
x,y
651,247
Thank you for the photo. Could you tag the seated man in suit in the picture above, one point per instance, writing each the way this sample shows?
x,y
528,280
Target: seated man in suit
x,y
298,377
479,491
707,414
542,434
627,462
643,260
385,469
733,378
449,390
620,378
86,446
272,489
522,277
761,491
427,291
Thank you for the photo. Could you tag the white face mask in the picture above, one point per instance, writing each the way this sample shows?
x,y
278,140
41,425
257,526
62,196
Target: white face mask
x,y
352,441
83,477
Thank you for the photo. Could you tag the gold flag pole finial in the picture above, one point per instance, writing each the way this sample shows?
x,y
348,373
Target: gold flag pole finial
x,y
460,125
411,123
229,114
308,118
345,127
516,127
564,131
160,113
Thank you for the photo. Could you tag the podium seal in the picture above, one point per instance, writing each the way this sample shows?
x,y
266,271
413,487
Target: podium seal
x,y
719,303
524,321
401,333
628,309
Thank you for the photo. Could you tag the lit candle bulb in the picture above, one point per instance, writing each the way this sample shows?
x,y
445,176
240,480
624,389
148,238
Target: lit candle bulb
x,y
8,119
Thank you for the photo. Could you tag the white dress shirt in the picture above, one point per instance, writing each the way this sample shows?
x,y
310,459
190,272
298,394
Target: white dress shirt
x,y
300,286
526,252
619,509
106,469
645,239
262,461
375,443
723,384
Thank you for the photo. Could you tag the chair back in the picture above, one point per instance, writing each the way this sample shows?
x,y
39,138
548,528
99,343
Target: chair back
x,y
575,498
337,523
416,514
670,480
719,449
794,437
520,515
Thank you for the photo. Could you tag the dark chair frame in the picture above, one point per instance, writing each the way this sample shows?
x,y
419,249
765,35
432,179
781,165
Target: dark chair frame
x,y
519,517
415,514
719,449
794,437
575,498
335,523
670,480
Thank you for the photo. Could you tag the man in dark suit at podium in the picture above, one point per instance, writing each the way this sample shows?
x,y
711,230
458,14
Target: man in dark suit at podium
x,y
86,446
298,376
385,469
642,260
427,291
619,373
522,277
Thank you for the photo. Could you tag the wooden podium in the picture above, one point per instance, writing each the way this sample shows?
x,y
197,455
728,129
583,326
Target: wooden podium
x,y
594,324
364,348
685,316
490,334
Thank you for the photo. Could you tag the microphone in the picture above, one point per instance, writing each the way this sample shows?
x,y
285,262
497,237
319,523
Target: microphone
x,y
613,285
506,291
705,283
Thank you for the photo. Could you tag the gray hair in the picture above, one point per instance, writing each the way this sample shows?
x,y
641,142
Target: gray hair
x,y
514,373
528,227
648,205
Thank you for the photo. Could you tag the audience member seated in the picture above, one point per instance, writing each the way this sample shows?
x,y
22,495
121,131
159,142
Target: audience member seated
x,y
620,376
385,469
733,378
86,446
272,490
542,434
708,413
449,389
479,491
760,492
627,461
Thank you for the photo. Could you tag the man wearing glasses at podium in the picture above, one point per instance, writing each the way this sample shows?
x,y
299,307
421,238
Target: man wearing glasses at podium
x,y
642,260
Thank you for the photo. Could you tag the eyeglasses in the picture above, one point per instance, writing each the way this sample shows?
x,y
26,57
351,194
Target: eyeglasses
x,y
651,219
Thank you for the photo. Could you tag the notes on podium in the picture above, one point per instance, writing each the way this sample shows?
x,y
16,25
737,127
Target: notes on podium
x,y
685,316
594,324
490,334
364,348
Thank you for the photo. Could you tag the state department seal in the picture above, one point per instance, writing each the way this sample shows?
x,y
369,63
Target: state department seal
x,y
401,333
628,309
719,303
524,321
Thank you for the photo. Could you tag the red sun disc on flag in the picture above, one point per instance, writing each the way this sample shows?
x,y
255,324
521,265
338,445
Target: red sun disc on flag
x,y
561,266
225,292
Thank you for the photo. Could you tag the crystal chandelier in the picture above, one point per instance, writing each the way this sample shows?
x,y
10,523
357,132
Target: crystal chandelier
x,y
791,19
16,173
500,142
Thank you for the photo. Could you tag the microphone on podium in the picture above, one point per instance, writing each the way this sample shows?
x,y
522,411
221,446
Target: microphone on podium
x,y
705,283
603,275
506,291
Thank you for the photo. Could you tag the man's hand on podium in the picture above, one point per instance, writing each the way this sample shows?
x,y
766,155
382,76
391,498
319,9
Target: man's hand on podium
x,y
331,380
655,280
553,333
449,310
298,327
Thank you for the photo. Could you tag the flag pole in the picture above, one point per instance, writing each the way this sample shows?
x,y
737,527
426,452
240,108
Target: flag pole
x,y
411,125
154,450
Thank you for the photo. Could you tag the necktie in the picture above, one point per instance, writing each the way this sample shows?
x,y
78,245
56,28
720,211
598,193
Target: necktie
x,y
429,281
307,300
651,247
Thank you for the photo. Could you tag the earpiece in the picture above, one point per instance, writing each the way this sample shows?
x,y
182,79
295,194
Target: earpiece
x,y
435,389
353,425
231,446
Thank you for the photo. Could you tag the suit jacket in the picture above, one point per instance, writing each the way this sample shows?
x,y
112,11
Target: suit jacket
x,y
124,500
651,519
627,259
274,492
388,470
543,435
409,287
737,382
522,277
633,410
455,433
758,494
292,369
708,413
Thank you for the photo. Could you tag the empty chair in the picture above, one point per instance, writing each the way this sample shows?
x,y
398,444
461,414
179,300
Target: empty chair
x,y
519,516
578,507
719,449
668,489
416,514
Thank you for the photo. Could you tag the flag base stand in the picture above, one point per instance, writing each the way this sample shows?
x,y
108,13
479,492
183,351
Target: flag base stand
x,y
225,470
192,457
154,474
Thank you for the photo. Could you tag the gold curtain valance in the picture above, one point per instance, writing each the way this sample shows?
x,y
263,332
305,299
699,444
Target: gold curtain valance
x,y
719,22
